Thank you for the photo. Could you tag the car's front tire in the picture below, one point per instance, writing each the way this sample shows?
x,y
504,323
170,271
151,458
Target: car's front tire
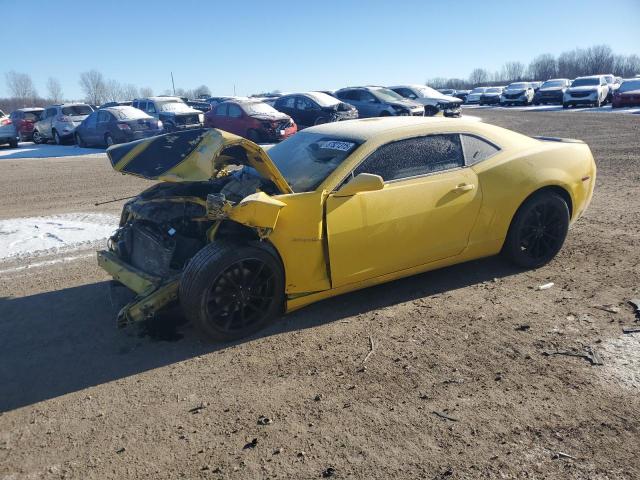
x,y
254,135
108,140
13,143
430,111
79,141
538,230
230,291
37,138
56,138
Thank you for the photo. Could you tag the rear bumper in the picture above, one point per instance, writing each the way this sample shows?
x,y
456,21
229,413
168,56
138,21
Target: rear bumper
x,y
151,293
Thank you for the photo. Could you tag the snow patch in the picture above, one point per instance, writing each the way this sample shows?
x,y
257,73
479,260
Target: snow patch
x,y
37,235
31,150
621,358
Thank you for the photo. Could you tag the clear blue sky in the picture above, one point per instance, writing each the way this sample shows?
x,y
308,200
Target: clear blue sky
x,y
295,45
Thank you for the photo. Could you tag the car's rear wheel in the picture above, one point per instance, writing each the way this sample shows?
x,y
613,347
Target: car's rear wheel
x,y
79,141
230,291
108,140
430,110
37,138
538,230
13,143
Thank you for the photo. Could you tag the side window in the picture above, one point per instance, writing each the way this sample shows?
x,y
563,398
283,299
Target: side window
x,y
305,104
406,93
234,111
103,117
91,120
476,149
51,112
151,108
366,97
349,95
221,110
414,156
289,102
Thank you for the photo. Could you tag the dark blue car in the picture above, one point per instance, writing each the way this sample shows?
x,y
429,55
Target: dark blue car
x,y
111,125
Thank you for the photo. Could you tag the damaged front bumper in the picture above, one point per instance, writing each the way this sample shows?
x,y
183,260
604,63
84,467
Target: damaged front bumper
x,y
151,293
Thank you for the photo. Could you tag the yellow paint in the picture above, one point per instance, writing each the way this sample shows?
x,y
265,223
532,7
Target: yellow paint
x,y
332,244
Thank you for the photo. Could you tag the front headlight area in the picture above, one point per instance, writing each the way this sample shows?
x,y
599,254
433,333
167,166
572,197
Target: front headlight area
x,y
400,110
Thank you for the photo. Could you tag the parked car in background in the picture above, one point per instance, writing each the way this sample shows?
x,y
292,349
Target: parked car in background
x,y
251,119
201,105
613,83
314,108
173,112
115,104
591,90
213,101
447,91
474,95
8,132
59,122
462,94
379,102
628,94
434,102
24,119
331,93
111,125
536,85
517,93
491,96
551,91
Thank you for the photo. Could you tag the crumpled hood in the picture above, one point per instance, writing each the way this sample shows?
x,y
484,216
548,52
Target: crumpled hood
x,y
191,156
271,117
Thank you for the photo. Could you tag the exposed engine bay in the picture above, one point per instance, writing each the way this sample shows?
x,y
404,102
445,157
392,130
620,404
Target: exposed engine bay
x,y
164,226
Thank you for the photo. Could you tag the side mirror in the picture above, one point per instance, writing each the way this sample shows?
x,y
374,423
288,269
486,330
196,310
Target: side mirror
x,y
364,182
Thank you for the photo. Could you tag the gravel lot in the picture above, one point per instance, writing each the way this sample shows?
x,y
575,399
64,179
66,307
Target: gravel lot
x,y
458,385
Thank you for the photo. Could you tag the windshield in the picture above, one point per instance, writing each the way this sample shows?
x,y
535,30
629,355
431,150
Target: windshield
x,y
33,116
305,160
479,90
629,85
386,95
258,108
518,86
553,83
494,90
76,110
128,113
173,106
585,82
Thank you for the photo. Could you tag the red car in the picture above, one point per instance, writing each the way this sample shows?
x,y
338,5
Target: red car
x,y
251,119
24,119
628,94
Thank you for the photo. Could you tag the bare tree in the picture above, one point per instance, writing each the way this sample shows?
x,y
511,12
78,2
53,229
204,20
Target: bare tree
x,y
600,59
626,66
146,92
112,91
94,86
543,67
129,91
437,82
478,76
513,71
21,86
201,92
54,90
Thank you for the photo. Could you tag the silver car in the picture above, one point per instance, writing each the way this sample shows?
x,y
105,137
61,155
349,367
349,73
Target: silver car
x,y
59,122
8,133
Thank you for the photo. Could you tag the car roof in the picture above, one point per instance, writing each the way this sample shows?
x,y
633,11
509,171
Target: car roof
x,y
367,128
590,76
30,109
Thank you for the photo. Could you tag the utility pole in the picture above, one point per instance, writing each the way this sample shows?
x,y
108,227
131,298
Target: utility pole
x,y
234,89
173,84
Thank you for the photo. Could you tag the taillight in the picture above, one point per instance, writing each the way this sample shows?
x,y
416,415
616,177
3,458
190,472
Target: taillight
x,y
63,118
124,126
5,121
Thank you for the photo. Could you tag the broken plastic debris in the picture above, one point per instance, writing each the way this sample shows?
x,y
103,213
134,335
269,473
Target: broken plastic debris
x,y
546,286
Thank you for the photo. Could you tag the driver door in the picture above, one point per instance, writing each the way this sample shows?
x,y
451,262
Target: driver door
x,y
424,212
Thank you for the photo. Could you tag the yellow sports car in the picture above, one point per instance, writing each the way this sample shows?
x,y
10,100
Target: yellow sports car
x,y
239,235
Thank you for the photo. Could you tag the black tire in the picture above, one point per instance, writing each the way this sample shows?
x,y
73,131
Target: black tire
x,y
108,140
430,111
384,113
223,270
169,127
56,138
565,105
538,230
37,138
254,136
79,141
13,143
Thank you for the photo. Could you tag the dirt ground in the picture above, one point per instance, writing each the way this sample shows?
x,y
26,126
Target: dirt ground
x,y
457,386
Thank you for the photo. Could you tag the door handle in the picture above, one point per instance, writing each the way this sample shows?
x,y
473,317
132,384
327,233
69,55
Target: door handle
x,y
464,187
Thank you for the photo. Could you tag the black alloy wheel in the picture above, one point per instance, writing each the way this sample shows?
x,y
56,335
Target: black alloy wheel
x,y
538,230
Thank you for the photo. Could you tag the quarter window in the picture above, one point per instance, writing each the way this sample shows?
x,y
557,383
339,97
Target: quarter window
x,y
476,149
289,102
414,156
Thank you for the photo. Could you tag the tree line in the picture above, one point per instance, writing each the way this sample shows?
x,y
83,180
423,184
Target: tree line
x,y
95,87
599,59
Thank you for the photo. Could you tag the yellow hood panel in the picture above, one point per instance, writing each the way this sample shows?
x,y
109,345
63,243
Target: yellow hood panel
x,y
191,156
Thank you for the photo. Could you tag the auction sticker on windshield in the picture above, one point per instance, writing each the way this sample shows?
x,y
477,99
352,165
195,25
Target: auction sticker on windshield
x,y
335,145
